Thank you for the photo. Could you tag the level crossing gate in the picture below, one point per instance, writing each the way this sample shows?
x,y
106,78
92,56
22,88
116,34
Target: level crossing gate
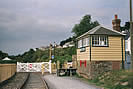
x,y
34,67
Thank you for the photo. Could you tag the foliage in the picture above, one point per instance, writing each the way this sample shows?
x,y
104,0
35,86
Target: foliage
x,y
38,55
31,56
64,54
41,55
35,56
28,56
130,80
114,79
3,55
85,25
61,54
126,26
65,41
62,59
8,61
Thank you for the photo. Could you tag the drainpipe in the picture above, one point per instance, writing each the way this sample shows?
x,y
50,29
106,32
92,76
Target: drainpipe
x,y
122,53
90,48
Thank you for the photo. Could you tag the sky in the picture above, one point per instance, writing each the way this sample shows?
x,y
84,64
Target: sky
x,y
26,24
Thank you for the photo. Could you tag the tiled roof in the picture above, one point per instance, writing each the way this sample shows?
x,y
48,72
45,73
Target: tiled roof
x,y
100,30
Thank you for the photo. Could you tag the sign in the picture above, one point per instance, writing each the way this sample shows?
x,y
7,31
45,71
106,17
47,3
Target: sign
x,y
30,65
52,57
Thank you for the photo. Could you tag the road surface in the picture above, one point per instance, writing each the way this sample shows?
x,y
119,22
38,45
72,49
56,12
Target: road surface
x,y
55,82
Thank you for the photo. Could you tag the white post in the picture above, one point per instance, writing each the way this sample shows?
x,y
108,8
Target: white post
x,y
17,66
50,69
27,67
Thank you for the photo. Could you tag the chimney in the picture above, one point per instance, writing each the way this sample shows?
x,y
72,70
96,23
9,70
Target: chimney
x,y
116,23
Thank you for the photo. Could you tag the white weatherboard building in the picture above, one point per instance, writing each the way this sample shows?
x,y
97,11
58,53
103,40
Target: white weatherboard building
x,y
127,49
127,45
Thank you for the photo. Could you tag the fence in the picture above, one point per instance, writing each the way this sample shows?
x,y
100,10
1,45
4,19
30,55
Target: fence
x,y
34,67
7,71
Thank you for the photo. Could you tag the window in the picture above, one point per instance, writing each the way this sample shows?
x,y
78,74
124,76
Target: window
x,y
87,41
99,40
79,43
83,49
83,42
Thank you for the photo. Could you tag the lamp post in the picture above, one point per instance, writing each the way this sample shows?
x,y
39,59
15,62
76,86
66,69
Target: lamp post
x,y
54,50
131,35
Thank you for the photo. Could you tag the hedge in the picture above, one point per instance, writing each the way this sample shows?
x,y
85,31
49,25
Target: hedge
x,y
8,61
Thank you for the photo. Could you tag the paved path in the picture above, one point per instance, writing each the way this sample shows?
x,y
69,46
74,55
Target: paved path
x,y
55,82
34,82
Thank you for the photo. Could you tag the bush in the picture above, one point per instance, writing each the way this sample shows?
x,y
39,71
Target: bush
x,y
119,87
95,80
130,81
8,61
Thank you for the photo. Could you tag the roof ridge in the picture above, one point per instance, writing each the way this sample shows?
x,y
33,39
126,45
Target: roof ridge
x,y
114,31
95,28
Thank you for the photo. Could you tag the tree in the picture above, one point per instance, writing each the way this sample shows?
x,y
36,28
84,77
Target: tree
x,y
125,27
3,55
28,56
85,25
65,41
40,55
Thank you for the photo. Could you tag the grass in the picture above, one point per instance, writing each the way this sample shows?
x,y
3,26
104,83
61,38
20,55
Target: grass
x,y
116,80
113,80
92,82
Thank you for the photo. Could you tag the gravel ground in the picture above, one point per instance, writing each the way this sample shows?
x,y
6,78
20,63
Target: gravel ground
x,y
55,82
16,82
34,82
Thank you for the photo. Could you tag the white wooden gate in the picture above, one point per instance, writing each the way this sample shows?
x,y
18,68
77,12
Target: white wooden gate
x,y
33,67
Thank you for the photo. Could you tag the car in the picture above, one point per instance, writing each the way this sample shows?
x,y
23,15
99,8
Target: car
x,y
128,62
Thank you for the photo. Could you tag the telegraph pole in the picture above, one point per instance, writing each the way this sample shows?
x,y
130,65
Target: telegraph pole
x,y
50,51
131,35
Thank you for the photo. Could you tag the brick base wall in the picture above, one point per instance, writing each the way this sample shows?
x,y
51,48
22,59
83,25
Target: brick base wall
x,y
95,68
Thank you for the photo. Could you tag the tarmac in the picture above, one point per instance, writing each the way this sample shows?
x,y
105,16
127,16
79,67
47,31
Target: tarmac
x,y
55,82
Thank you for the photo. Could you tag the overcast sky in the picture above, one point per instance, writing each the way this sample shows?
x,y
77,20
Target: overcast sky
x,y
26,24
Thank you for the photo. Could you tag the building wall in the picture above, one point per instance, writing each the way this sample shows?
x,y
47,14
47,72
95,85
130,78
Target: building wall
x,y
103,59
83,55
96,68
111,53
84,71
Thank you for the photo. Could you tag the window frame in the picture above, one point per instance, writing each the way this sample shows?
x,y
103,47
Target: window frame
x,y
80,43
98,39
83,43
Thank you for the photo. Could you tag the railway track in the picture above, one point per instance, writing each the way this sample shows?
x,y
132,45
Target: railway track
x,y
35,81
